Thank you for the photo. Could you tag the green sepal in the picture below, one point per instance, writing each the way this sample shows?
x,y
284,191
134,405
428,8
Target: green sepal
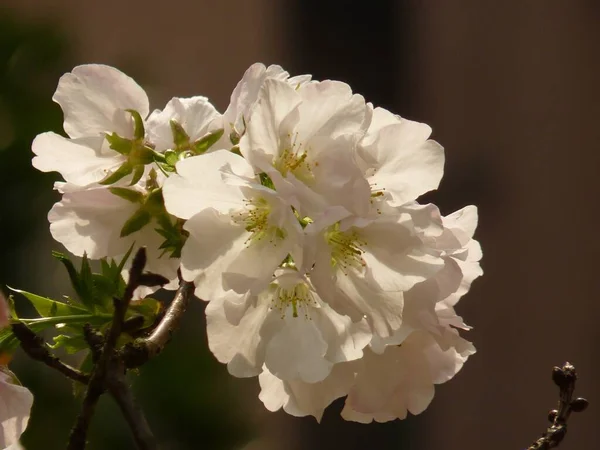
x,y
234,137
171,157
136,222
119,144
49,308
125,169
138,173
131,195
266,181
207,141
138,130
180,138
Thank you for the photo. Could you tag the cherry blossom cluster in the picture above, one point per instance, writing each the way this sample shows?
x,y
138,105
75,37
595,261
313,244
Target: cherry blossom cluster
x,y
295,215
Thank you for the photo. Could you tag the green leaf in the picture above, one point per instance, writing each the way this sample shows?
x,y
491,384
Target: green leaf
x,y
138,131
73,275
86,283
119,144
136,222
118,174
149,308
9,343
131,195
49,308
124,260
180,137
207,141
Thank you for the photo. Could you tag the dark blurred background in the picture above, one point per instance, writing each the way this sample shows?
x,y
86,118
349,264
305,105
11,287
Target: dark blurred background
x,y
511,91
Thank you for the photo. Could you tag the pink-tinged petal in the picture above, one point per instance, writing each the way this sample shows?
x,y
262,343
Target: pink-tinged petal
x,y
199,185
94,98
90,221
196,115
79,161
15,407
302,399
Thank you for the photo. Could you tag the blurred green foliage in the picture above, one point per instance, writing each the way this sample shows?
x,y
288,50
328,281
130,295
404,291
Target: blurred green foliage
x,y
184,390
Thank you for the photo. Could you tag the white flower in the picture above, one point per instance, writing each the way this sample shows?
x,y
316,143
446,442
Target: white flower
x,y
91,221
428,305
367,265
196,115
287,327
239,230
244,97
380,387
398,159
402,379
305,139
306,399
15,407
94,99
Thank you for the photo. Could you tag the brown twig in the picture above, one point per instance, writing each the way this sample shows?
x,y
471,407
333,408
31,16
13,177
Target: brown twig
x,y
106,359
143,349
120,391
564,377
36,349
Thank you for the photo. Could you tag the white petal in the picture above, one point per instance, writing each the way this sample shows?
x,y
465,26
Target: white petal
x,y
94,98
246,92
297,351
214,242
80,162
406,165
345,339
239,346
277,100
329,109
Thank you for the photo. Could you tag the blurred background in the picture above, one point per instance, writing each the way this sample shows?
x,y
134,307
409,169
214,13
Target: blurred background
x,y
511,91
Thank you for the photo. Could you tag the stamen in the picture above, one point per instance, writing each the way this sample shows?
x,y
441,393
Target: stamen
x,y
346,251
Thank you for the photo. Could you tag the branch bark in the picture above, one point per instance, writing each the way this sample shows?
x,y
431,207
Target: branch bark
x,y
143,349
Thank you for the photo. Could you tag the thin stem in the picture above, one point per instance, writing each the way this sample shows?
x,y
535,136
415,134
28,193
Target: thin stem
x,y
35,348
564,377
121,392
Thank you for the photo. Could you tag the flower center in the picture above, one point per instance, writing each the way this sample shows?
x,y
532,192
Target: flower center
x,y
293,159
255,218
345,248
298,296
